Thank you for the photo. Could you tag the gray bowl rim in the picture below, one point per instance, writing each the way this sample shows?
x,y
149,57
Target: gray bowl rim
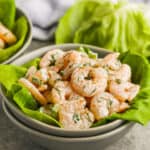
x,y
40,52
65,139
27,41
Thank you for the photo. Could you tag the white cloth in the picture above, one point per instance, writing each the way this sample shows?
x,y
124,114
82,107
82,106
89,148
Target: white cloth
x,y
44,15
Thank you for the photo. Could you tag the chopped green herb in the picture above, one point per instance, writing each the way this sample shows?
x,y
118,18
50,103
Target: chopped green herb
x,y
88,51
86,64
62,72
99,100
58,79
88,117
71,65
88,77
76,118
84,87
118,81
36,81
106,68
110,103
93,90
51,110
58,90
53,60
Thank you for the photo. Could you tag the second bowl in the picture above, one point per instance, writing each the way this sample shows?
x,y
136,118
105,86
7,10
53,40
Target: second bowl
x,y
50,142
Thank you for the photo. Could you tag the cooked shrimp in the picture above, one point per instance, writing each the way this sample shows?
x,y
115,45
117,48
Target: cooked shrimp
x,y
47,95
88,62
2,43
123,106
69,62
70,56
74,96
88,81
7,35
73,115
61,92
124,91
50,58
53,77
110,61
38,78
34,91
41,75
85,89
31,71
123,74
43,87
104,104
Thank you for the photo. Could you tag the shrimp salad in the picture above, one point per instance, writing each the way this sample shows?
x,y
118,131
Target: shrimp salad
x,y
78,89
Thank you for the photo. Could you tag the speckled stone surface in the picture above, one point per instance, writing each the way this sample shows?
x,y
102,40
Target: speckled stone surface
x,y
11,138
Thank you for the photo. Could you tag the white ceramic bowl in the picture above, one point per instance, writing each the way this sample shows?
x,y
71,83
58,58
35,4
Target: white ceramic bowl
x,y
81,143
49,128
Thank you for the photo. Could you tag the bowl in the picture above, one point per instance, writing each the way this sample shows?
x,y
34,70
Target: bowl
x,y
49,128
28,39
81,143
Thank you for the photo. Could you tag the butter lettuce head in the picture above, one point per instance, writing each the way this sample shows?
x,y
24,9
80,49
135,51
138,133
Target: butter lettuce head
x,y
19,26
118,26
138,112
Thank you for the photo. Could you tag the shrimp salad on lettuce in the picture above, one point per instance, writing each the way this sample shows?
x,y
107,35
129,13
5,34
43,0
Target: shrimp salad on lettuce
x,y
77,90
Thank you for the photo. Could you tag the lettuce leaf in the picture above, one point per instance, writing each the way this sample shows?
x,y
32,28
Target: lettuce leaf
x,y
20,29
7,12
24,99
35,62
140,106
88,52
9,76
77,15
118,26
29,106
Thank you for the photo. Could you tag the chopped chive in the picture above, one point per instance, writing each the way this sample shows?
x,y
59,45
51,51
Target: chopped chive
x,y
88,77
118,81
62,72
36,81
53,60
93,90
58,91
76,118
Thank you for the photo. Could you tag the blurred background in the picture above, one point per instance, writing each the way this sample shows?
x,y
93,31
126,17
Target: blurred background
x,y
46,13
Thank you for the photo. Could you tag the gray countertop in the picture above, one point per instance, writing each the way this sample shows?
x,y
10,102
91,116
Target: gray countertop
x,y
11,138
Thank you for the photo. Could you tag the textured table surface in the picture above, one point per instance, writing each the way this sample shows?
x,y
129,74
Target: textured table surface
x,y
13,139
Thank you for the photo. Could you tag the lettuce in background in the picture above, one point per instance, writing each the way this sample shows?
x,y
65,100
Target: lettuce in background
x,y
19,26
20,29
7,12
76,16
118,26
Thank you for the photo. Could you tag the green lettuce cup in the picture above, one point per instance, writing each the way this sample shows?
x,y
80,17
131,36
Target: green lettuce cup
x,y
15,20
119,27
